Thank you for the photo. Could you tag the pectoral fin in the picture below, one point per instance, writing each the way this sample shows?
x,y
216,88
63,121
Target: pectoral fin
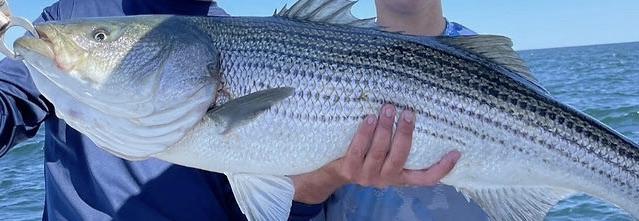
x,y
244,108
262,197
516,203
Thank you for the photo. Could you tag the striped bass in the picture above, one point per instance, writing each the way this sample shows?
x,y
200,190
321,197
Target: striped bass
x,y
260,98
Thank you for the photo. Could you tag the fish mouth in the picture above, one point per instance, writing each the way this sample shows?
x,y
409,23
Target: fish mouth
x,y
42,45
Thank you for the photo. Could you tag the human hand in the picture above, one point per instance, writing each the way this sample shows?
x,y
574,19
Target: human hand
x,y
6,22
375,157
5,13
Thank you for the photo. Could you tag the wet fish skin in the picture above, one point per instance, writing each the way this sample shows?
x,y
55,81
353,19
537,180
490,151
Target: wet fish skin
x,y
518,143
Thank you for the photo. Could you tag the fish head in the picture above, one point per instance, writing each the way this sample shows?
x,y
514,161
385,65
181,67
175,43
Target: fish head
x,y
118,61
95,52
148,74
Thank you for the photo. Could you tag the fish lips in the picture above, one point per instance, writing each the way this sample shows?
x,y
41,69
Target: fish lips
x,y
27,46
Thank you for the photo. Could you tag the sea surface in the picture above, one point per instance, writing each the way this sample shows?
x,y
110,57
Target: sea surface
x,y
601,80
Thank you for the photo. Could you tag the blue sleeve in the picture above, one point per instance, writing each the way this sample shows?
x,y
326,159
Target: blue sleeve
x,y
302,211
22,108
456,29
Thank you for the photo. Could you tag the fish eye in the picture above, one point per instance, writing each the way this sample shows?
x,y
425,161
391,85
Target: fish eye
x,y
100,35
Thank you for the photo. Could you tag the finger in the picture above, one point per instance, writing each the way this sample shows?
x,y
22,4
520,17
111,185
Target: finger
x,y
376,155
400,148
436,172
352,162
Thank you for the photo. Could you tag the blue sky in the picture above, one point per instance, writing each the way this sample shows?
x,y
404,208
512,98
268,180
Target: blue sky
x,y
531,24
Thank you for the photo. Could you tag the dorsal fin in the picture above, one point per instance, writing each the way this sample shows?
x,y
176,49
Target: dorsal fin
x,y
497,49
326,11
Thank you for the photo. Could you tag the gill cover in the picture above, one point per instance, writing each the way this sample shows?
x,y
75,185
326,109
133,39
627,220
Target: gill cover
x,y
134,85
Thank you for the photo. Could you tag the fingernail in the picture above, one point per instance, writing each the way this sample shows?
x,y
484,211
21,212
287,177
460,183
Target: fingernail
x,y
370,120
389,111
408,116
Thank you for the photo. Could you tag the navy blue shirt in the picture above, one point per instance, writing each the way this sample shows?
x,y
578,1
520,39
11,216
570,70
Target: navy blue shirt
x,y
84,182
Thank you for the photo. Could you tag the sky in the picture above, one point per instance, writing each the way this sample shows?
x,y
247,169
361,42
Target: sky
x,y
531,24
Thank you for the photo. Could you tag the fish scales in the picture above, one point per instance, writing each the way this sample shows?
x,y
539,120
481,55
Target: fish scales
x,y
326,63
517,142
341,85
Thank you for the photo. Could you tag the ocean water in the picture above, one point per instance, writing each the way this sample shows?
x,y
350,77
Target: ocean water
x,y
601,80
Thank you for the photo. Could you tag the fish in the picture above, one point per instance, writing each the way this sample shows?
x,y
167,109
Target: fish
x,y
262,98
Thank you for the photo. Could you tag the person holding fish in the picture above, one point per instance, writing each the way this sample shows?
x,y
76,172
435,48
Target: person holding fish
x,y
84,182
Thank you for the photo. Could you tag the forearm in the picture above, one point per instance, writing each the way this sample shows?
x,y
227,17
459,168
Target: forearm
x,y
316,187
311,191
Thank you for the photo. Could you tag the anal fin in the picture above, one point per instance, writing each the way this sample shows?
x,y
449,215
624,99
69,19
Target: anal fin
x,y
516,203
262,197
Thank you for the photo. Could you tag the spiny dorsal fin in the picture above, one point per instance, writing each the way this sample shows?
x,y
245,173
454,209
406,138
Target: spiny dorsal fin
x,y
497,49
326,11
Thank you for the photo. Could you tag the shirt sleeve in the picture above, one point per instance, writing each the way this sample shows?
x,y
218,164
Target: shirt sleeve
x,y
455,29
302,211
22,107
